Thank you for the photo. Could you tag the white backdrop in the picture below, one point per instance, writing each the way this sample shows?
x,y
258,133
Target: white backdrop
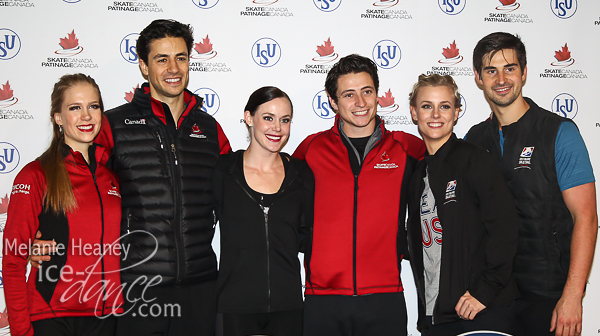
x,y
244,44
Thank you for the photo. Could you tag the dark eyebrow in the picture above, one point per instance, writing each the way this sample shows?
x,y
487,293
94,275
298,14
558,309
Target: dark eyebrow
x,y
166,55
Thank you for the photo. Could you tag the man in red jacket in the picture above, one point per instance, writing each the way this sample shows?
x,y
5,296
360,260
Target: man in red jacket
x,y
358,239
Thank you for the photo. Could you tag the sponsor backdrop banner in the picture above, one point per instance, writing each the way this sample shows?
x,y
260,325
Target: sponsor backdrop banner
x,y
245,44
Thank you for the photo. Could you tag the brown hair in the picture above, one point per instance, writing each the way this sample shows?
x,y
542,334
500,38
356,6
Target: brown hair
x,y
434,80
59,197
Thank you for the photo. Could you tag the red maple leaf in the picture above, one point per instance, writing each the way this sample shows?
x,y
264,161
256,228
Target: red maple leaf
x,y
6,92
508,2
452,51
4,205
204,47
326,49
563,54
70,42
129,95
387,99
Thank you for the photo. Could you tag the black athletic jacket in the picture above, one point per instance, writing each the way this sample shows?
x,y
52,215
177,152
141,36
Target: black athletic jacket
x,y
259,270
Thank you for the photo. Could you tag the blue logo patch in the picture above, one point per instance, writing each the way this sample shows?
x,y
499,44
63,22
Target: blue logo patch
x,y
266,52
565,105
211,103
321,105
563,9
9,157
387,54
127,48
10,44
205,4
452,7
327,5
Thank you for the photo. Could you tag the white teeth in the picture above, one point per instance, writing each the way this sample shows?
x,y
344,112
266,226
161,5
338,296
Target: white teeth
x,y
360,113
270,137
172,80
87,127
435,124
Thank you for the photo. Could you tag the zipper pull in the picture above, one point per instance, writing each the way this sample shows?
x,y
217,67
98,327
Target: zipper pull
x,y
174,152
160,140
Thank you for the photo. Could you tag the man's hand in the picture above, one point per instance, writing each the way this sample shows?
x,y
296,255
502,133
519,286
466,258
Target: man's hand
x,y
40,250
468,307
566,317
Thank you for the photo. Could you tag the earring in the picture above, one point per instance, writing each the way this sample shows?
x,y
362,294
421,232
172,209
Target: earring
x,y
60,128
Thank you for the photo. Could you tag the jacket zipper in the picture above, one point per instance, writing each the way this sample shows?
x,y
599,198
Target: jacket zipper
x,y
354,225
178,232
266,214
101,240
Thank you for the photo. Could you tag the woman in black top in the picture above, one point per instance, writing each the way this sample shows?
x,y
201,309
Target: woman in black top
x,y
264,206
462,226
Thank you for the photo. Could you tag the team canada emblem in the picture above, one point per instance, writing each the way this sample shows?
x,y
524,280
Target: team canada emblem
x,y
197,132
385,157
387,165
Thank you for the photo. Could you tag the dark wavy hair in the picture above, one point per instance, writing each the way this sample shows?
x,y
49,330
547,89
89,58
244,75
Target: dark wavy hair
x,y
350,64
488,46
162,28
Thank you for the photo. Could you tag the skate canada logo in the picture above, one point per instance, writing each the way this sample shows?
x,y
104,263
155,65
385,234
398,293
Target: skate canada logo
x,y
16,3
321,63
211,101
321,106
197,132
452,7
129,95
9,158
385,165
69,48
201,54
135,6
448,65
205,4
10,44
114,191
386,105
504,13
7,100
327,5
387,54
525,158
266,52
380,10
563,60
128,48
265,8
563,9
565,105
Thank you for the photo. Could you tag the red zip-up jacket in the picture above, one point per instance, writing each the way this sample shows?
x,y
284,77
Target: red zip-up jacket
x,y
358,238
86,266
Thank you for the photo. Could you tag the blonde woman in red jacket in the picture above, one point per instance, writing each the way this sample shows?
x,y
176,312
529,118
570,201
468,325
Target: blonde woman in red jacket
x,y
73,199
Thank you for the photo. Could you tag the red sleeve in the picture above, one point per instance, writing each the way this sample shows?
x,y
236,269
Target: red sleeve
x,y
26,201
413,146
223,141
105,138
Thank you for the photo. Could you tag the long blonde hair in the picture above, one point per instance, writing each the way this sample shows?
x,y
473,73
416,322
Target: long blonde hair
x,y
59,197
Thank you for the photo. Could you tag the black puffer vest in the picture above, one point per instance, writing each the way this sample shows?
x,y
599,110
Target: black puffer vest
x,y
543,255
166,191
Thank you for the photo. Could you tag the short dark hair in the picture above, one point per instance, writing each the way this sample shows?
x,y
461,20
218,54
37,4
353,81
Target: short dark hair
x,y
495,42
263,95
162,28
350,64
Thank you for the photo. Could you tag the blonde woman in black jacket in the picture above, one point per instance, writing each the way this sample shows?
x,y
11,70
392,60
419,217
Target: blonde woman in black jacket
x,y
462,228
264,207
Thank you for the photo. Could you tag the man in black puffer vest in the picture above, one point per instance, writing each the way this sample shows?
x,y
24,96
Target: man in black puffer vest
x,y
547,168
164,150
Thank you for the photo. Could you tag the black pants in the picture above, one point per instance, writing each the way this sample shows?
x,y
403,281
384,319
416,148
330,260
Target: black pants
x,y
533,317
283,323
169,310
500,318
75,326
365,315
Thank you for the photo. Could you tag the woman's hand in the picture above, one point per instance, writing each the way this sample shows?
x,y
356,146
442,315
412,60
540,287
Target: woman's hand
x,y
468,307
40,250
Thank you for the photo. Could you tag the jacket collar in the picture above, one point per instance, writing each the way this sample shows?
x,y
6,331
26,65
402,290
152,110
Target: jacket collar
x,y
443,151
143,98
